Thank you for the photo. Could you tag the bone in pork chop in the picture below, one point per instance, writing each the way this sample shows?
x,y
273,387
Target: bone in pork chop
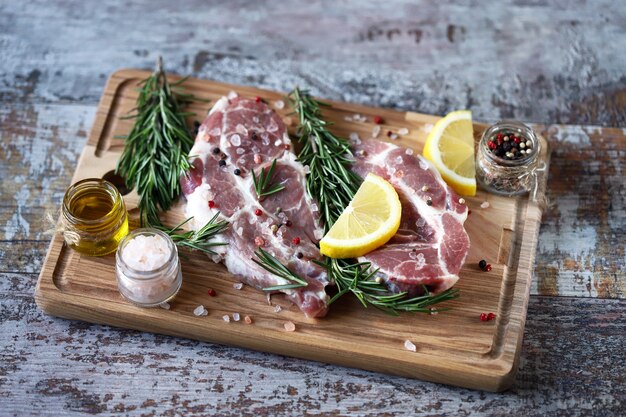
x,y
431,243
247,135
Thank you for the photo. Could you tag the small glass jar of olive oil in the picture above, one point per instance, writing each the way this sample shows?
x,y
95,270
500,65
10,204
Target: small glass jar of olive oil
x,y
94,217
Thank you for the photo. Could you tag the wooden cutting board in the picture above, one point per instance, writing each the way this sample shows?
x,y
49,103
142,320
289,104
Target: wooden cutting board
x,y
453,347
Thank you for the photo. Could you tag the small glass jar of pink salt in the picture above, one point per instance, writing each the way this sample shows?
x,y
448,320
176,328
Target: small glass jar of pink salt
x,y
147,268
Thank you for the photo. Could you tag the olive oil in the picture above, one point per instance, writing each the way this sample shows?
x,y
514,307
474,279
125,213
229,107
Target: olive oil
x,y
95,218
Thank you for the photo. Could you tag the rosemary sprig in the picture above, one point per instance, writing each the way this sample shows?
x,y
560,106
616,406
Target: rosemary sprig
x,y
198,239
333,185
155,151
330,180
262,182
273,265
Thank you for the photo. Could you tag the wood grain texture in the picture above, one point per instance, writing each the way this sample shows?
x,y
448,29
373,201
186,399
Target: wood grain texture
x,y
55,60
481,356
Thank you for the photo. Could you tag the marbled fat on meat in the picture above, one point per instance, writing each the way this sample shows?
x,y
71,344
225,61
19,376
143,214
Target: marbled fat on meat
x,y
431,245
248,135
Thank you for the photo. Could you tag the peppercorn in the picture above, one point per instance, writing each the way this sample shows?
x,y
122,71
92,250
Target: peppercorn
x,y
378,120
506,146
222,162
258,99
491,316
237,171
488,268
429,202
483,317
258,212
216,150
288,223
482,264
254,136
296,240
299,255
211,203
211,292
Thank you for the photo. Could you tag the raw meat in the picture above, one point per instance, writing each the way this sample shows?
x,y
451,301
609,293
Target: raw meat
x,y
248,135
431,244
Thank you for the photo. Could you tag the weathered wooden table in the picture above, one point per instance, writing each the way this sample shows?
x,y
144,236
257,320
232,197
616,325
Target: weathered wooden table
x,y
525,60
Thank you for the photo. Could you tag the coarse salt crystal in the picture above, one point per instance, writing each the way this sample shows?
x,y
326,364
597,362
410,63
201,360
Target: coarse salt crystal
x,y
290,326
408,345
354,137
236,316
376,131
409,151
307,169
277,309
398,159
403,131
146,253
241,129
288,121
165,306
247,319
240,151
235,140
226,318
484,204
279,104
273,127
314,207
232,95
428,127
433,311
200,311
238,285
255,119
216,131
347,118
240,231
393,136
278,142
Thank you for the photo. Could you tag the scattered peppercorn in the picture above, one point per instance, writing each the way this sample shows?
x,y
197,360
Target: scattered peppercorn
x,y
287,146
254,136
482,264
491,316
389,133
211,292
258,212
211,203
299,255
296,240
237,171
483,317
288,223
469,212
488,268
216,150
429,202
222,162
258,99
378,120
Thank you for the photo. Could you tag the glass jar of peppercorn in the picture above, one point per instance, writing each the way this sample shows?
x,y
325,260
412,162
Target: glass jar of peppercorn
x,y
507,158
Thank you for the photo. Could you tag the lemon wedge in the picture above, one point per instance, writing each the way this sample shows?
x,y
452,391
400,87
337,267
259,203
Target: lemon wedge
x,y
450,147
369,221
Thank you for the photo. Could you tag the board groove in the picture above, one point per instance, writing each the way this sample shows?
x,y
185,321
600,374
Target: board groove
x,y
454,347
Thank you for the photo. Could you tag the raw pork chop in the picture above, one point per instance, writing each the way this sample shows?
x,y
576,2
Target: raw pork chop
x,y
431,244
248,135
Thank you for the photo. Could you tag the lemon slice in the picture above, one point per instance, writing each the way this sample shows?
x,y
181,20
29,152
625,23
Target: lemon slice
x,y
369,221
450,147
